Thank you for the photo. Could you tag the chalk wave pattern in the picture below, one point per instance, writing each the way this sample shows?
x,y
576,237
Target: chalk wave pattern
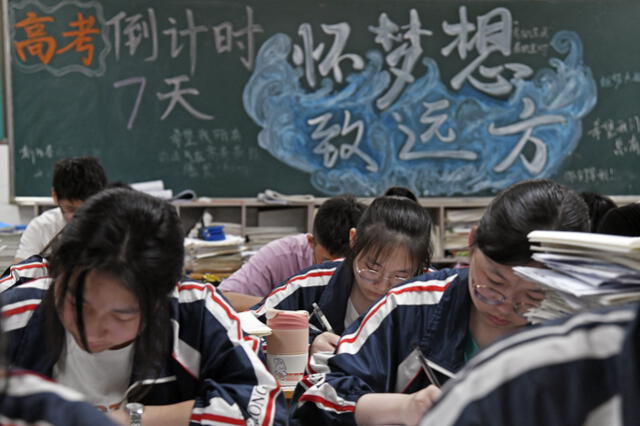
x,y
276,100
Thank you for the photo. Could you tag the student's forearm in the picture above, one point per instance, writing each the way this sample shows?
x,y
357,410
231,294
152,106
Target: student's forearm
x,y
395,408
241,302
381,408
159,415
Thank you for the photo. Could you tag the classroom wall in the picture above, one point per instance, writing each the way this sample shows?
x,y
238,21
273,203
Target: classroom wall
x,y
9,213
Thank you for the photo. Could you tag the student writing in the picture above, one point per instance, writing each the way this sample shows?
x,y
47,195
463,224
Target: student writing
x,y
106,316
582,370
375,376
390,244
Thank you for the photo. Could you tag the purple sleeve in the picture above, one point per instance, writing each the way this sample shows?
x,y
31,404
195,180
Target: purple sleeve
x,y
272,264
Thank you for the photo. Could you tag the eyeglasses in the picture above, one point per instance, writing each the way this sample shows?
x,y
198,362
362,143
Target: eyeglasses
x,y
374,275
491,296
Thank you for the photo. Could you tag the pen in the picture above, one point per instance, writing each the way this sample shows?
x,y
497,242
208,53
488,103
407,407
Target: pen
x,y
431,375
323,320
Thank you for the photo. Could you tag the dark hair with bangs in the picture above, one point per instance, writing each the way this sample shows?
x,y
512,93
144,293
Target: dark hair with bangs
x,y
78,178
536,204
391,222
134,238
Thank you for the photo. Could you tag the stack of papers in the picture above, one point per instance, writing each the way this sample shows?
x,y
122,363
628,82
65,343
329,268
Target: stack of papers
x,y
9,241
213,256
153,187
258,236
458,224
585,271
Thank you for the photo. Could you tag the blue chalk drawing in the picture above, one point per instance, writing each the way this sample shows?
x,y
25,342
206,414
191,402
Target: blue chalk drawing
x,y
497,142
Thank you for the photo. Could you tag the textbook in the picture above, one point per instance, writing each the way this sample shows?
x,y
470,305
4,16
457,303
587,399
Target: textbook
x,y
613,243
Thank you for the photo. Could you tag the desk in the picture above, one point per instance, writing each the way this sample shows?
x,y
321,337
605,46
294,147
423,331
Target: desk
x,y
288,392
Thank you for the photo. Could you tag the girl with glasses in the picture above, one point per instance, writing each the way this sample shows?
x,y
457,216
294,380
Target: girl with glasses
x,y
391,244
107,316
376,375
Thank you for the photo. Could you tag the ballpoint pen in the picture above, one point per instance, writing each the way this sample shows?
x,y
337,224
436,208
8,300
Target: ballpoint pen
x,y
323,320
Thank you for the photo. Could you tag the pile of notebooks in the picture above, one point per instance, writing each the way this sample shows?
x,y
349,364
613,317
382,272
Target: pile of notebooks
x,y
458,224
213,256
583,271
259,236
9,241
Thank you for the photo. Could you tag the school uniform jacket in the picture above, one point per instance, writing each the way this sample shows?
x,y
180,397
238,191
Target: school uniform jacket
x,y
376,354
29,398
584,370
212,361
328,284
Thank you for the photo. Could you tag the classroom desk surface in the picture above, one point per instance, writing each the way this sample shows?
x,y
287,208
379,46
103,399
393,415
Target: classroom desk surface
x,y
288,392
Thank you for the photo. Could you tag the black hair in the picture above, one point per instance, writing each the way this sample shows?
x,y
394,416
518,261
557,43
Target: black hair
x,y
392,222
78,178
335,217
133,237
598,205
401,191
623,220
524,207
118,184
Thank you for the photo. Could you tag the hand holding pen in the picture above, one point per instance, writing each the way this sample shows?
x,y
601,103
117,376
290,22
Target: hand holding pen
x,y
327,341
323,320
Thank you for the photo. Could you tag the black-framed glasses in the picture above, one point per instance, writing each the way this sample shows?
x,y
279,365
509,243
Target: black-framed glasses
x,y
374,275
491,296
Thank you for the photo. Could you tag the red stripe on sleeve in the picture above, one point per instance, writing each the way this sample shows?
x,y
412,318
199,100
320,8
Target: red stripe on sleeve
x,y
269,414
19,310
301,277
216,418
417,288
322,401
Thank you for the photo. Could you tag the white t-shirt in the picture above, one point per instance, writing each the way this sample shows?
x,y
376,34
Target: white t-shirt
x,y
351,315
102,378
40,232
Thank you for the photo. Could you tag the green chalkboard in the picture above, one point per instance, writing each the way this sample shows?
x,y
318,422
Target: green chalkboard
x,y
230,97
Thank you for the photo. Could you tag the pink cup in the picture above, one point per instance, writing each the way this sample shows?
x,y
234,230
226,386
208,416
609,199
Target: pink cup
x,y
287,345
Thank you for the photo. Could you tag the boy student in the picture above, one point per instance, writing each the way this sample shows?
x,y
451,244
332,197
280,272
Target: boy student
x,y
284,257
106,315
74,180
582,370
376,377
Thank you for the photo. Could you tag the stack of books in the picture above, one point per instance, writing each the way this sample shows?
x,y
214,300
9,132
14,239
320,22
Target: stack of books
x,y
583,271
213,256
458,224
9,241
258,236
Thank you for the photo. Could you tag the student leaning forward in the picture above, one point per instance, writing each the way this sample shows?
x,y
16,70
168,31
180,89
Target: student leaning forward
x,y
106,316
375,376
